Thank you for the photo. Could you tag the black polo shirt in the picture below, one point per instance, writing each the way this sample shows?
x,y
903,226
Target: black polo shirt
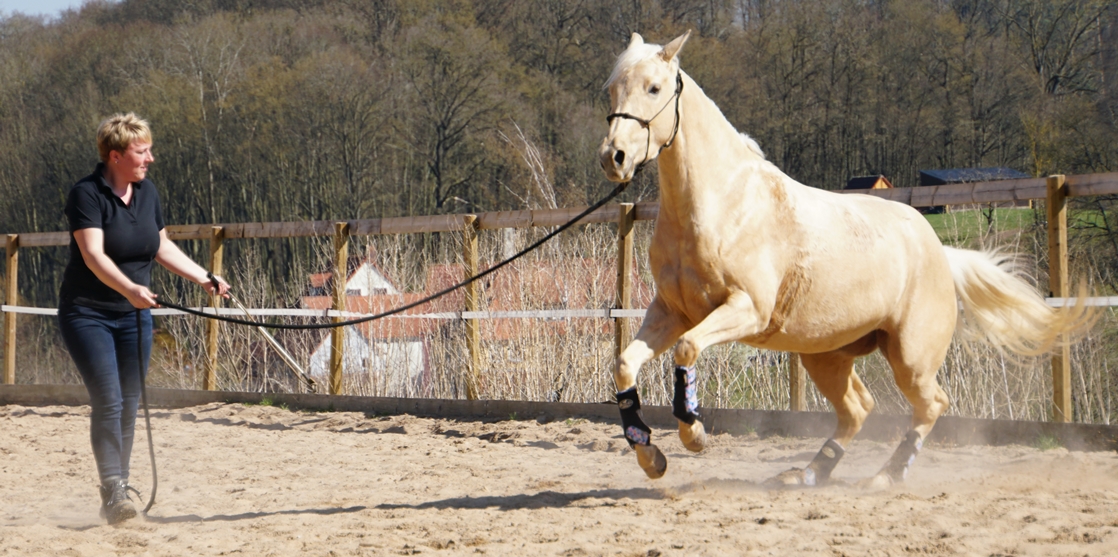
x,y
131,239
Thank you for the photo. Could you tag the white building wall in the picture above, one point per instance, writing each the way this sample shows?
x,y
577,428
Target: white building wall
x,y
366,280
393,368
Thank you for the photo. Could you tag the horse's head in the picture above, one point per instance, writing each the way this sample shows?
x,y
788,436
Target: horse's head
x,y
644,91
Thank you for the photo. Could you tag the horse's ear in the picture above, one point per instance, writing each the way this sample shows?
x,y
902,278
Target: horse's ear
x,y
636,40
671,49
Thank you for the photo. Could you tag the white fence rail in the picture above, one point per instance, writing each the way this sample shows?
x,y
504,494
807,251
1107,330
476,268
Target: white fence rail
x,y
1098,301
268,312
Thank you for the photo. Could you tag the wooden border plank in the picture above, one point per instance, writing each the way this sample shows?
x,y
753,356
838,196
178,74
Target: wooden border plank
x,y
949,430
997,191
919,196
504,219
411,225
43,239
646,210
1085,185
559,217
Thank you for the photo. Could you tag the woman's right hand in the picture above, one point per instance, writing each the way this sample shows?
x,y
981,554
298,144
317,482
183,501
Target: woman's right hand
x,y
141,297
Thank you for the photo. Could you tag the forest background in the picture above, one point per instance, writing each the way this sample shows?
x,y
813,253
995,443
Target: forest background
x,y
282,110
270,110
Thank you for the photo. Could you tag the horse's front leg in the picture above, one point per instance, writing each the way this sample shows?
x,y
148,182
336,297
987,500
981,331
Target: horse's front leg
x,y
658,331
731,321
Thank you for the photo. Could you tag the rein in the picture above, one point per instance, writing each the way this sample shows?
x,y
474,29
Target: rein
x,y
616,191
647,123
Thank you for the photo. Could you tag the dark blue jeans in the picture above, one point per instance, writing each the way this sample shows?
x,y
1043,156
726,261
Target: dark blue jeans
x,y
103,346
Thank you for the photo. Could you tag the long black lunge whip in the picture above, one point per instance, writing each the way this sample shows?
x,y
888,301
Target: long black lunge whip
x,y
139,326
616,191
147,413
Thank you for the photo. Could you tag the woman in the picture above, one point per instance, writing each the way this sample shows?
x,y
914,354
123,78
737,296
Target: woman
x,y
116,230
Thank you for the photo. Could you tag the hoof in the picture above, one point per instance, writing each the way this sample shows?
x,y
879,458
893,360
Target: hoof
x,y
880,482
796,477
652,461
694,436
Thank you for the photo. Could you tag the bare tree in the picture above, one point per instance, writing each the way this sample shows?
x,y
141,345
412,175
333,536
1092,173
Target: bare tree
x,y
1059,40
451,78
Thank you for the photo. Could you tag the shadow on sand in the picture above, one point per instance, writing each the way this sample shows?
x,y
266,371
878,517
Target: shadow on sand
x,y
543,499
246,516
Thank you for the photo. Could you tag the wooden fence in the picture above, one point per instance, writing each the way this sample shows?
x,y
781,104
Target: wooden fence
x,y
1054,189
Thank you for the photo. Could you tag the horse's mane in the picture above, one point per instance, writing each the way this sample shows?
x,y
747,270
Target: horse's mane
x,y
752,145
631,57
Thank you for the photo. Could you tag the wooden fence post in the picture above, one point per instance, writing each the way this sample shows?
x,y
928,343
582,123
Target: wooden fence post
x,y
337,334
797,383
11,285
213,326
473,303
1058,283
622,326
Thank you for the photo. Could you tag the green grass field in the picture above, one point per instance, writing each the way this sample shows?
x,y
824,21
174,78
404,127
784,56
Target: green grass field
x,y
961,228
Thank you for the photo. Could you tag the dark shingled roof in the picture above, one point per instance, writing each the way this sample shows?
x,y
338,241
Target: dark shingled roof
x,y
964,175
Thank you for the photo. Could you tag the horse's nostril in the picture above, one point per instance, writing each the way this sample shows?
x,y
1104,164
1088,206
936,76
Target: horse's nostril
x,y
619,158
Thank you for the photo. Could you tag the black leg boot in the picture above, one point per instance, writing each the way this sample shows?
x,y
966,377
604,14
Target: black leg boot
x,y
901,461
818,472
116,507
636,432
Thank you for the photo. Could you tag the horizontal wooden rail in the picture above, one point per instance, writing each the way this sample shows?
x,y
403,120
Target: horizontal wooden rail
x,y
920,196
43,239
995,192
647,210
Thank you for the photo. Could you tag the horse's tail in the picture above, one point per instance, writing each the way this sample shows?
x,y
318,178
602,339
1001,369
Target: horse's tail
x,y
1003,310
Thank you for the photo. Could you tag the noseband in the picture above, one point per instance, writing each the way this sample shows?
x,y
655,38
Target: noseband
x,y
645,123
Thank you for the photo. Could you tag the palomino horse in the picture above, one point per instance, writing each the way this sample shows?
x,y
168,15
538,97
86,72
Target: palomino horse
x,y
741,252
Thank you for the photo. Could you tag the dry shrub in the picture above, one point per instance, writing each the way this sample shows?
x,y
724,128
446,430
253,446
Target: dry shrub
x,y
552,359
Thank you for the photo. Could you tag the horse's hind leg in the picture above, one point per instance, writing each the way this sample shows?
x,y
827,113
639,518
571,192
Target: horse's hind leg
x,y
914,360
833,374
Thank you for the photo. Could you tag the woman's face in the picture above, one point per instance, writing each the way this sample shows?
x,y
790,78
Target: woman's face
x,y
132,164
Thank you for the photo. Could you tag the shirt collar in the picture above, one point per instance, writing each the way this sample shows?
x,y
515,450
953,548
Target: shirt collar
x,y
99,178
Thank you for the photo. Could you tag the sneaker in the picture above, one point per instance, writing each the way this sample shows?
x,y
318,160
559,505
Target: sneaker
x,y
116,505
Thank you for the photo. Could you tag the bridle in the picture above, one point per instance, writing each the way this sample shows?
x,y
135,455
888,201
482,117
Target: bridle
x,y
645,123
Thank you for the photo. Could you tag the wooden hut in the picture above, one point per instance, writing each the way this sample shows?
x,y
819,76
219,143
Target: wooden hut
x,y
877,182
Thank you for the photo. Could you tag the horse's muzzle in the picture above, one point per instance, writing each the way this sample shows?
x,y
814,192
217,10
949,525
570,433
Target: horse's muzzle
x,y
616,163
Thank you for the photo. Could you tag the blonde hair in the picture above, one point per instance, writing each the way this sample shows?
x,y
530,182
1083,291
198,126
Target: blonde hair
x,y
118,131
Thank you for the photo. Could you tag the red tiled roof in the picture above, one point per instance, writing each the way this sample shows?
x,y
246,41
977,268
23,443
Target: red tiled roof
x,y
319,280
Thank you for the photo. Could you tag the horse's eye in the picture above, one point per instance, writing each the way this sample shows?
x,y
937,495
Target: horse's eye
x,y
655,89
